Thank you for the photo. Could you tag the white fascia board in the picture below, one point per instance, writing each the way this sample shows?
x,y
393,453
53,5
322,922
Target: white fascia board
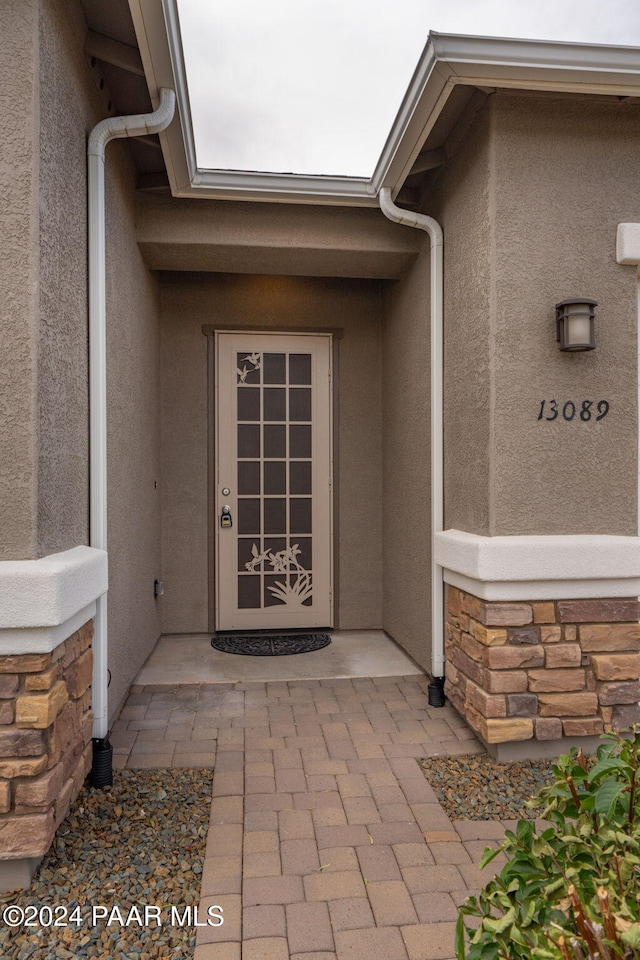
x,y
540,567
497,53
450,59
177,142
628,244
43,601
158,31
447,60
427,93
283,188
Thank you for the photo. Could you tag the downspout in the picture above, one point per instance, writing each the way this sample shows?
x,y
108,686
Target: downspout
x,y
433,228
102,133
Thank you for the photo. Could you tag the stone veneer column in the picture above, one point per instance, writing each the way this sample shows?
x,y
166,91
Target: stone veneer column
x,y
543,670
47,608
45,742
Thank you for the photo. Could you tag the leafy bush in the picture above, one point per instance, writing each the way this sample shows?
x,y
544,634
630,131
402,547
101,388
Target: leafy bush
x,y
570,892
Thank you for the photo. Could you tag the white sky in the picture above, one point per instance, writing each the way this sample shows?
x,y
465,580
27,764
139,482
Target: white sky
x,y
313,86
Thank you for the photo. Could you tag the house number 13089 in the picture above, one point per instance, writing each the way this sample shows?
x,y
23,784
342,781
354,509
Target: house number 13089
x,y
584,410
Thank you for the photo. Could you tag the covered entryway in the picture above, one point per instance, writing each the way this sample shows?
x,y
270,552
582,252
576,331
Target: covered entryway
x,y
252,298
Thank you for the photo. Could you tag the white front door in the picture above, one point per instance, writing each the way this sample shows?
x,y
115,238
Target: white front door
x,y
273,481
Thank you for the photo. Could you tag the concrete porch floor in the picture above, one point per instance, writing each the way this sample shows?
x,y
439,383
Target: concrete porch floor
x,y
186,659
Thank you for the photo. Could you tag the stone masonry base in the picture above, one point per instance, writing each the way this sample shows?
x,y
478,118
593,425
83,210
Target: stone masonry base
x,y
564,670
45,748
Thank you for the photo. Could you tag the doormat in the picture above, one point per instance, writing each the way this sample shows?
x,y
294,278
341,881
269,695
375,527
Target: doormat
x,y
270,645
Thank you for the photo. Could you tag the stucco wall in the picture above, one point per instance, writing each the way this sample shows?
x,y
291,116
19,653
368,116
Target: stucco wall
x,y
463,203
188,302
566,173
133,348
406,501
18,278
530,205
70,107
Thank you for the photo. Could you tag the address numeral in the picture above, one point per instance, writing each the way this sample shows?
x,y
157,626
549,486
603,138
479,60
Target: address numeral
x,y
568,410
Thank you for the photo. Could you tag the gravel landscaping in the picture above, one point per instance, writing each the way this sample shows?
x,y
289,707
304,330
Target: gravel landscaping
x,y
140,843
479,788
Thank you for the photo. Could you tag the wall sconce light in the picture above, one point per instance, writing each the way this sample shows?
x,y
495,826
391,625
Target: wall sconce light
x,y
575,324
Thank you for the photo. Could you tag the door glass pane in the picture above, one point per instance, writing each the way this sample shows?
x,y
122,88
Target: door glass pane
x,y
274,545
300,515
275,516
300,368
275,403
275,477
273,588
249,591
299,477
299,440
249,478
275,440
275,368
299,403
248,403
303,544
249,516
249,440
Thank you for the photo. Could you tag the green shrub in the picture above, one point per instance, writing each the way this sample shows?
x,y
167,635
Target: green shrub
x,y
570,892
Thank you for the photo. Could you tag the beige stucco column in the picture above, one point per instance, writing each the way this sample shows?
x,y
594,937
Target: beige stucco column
x,y
19,108
540,548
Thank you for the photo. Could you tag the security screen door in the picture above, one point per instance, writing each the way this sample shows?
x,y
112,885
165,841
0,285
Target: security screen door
x,y
273,481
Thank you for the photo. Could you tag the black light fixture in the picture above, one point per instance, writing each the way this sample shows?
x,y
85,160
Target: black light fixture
x,y
575,324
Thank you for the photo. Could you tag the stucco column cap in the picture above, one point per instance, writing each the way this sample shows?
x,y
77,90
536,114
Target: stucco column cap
x,y
50,591
517,558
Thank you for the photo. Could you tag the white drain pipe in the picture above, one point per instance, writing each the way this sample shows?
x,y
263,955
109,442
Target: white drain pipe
x,y
433,228
109,129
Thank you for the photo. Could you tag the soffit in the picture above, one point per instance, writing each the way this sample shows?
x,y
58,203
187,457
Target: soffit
x,y
271,238
111,48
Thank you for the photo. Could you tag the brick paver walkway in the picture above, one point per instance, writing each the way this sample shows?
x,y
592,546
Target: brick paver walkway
x,y
325,841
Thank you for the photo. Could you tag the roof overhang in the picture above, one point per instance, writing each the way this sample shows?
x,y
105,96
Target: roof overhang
x,y
446,61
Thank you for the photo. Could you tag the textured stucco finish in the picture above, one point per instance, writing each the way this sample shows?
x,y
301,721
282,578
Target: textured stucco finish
x,y
19,108
566,173
463,209
530,208
271,238
70,107
188,302
406,500
133,435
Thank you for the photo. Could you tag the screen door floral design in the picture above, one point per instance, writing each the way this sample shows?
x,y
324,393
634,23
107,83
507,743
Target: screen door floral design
x,y
273,481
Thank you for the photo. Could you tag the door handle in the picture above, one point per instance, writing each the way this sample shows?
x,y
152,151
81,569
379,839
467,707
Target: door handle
x,y
226,519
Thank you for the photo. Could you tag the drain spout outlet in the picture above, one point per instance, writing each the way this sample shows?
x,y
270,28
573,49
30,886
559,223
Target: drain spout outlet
x,y
436,692
102,767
